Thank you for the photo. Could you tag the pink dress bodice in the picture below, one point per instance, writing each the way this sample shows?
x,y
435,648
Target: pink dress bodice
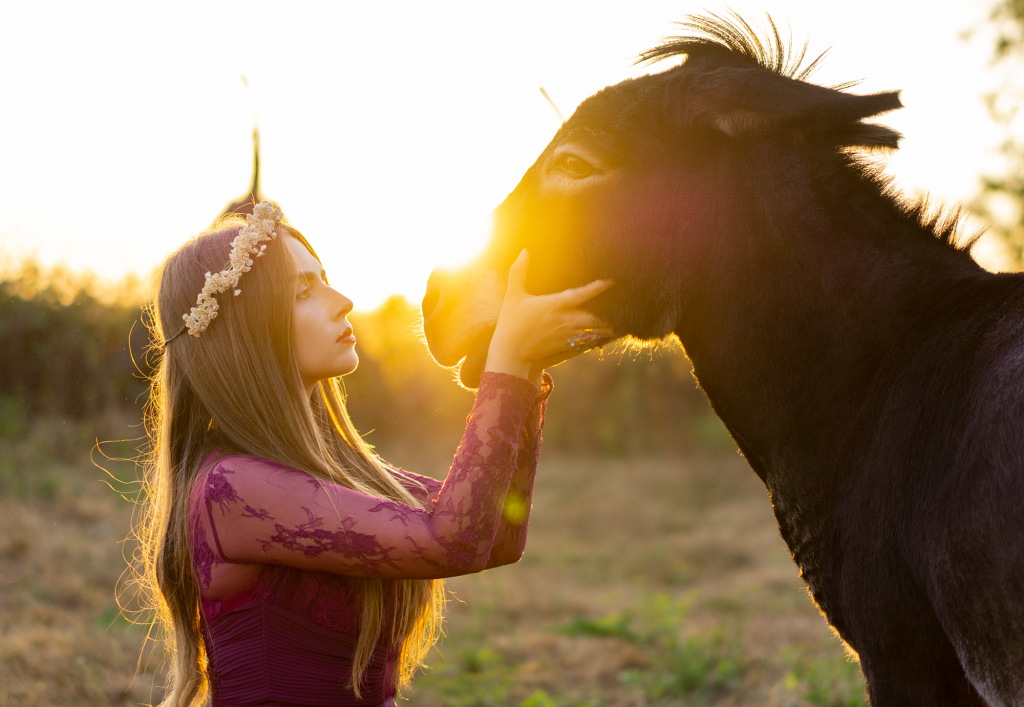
x,y
277,552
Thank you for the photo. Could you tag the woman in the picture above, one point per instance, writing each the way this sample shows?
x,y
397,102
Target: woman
x,y
289,565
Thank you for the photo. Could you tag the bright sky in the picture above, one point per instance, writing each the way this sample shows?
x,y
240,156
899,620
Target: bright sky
x,y
389,129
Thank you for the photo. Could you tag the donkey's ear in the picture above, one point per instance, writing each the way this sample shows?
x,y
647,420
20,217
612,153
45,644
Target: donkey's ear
x,y
866,135
747,101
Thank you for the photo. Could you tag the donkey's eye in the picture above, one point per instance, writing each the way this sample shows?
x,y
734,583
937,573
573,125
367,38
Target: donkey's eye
x,y
574,166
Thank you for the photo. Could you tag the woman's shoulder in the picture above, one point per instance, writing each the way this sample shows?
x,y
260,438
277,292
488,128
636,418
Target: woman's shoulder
x,y
221,472
220,461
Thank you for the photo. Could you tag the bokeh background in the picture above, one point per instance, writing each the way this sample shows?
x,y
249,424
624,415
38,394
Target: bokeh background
x,y
654,573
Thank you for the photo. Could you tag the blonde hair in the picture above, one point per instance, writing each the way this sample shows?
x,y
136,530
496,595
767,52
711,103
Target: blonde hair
x,y
238,388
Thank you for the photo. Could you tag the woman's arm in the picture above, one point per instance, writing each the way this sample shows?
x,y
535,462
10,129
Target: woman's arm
x,y
423,488
255,511
510,540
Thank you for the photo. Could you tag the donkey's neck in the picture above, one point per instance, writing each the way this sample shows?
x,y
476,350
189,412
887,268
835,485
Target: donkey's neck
x,y
787,343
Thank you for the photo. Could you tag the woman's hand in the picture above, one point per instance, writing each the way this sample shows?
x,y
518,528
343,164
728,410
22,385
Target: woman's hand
x,y
531,328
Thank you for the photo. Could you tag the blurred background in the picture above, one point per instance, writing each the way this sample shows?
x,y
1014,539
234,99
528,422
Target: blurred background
x,y
388,132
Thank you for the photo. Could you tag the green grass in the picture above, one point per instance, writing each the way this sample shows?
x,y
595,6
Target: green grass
x,y
613,625
826,681
682,660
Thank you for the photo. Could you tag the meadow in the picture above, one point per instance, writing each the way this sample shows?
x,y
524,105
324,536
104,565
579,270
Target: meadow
x,y
646,581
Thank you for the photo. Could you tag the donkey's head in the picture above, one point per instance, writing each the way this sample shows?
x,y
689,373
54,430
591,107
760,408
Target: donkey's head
x,y
654,183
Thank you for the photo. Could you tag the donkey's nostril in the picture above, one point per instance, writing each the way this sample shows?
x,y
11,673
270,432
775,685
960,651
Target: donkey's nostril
x,y
430,300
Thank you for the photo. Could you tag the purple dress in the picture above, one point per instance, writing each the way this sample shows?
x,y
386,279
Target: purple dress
x,y
275,551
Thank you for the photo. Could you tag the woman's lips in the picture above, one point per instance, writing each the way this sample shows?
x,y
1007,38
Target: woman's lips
x,y
347,337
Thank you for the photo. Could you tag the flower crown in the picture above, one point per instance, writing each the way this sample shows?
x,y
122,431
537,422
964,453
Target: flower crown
x,y
259,226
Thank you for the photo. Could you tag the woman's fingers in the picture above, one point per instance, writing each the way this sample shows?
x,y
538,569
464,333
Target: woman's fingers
x,y
531,329
580,319
578,295
517,274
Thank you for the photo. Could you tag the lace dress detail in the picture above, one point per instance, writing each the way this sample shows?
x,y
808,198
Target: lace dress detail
x,y
267,538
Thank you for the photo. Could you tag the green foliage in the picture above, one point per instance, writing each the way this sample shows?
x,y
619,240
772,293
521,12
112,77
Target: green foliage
x,y
478,678
827,681
682,661
615,625
113,617
477,660
64,352
1008,15
1004,107
538,699
621,402
710,432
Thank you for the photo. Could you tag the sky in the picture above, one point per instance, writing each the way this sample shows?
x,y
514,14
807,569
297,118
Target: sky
x,y
390,130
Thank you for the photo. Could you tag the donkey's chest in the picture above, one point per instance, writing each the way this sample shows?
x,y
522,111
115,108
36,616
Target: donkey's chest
x,y
850,557
812,531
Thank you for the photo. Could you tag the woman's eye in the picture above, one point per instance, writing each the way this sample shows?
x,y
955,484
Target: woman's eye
x,y
574,166
303,293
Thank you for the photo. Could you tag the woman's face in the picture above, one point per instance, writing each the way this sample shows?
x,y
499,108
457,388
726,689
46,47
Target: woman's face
x,y
324,343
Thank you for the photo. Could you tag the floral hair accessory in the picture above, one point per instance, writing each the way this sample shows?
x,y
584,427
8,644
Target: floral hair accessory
x,y
259,226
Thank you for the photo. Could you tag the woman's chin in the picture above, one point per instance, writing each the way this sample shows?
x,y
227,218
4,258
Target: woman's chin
x,y
341,367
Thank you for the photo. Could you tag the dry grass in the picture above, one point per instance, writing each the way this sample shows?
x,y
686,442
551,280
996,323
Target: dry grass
x,y
62,639
645,582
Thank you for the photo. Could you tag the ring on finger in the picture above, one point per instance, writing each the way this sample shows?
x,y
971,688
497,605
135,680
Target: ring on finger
x,y
577,339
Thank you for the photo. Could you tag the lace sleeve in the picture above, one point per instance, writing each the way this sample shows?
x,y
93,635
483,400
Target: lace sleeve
x,y
254,510
424,488
510,541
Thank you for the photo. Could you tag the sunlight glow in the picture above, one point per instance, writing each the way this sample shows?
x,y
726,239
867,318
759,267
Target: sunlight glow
x,y
389,131
465,240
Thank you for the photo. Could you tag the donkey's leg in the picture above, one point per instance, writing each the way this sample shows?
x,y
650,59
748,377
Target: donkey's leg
x,y
976,582
985,623
901,683
906,656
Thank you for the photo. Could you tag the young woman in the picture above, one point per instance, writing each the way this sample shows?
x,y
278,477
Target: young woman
x,y
289,565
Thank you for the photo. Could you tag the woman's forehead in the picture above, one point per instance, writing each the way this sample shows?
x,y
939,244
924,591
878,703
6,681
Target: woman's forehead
x,y
303,258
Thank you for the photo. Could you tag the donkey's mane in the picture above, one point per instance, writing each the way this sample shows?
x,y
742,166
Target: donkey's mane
x,y
945,222
732,37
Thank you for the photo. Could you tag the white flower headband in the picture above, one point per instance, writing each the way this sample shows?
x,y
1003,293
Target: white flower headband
x,y
259,226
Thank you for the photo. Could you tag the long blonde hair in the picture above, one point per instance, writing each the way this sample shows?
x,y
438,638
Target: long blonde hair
x,y
237,387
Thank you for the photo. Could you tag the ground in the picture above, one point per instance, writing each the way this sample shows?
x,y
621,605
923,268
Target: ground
x,y
646,581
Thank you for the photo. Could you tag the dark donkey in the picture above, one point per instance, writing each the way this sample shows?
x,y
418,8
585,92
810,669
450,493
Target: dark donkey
x,y
870,371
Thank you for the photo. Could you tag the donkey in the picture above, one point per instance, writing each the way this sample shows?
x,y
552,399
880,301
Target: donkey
x,y
871,373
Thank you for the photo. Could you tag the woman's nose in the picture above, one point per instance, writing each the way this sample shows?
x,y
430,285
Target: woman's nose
x,y
344,306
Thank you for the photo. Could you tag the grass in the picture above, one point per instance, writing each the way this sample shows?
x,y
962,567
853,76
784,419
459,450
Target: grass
x,y
63,640
645,582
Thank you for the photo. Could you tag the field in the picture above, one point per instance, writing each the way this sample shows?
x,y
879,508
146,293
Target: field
x,y
646,581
